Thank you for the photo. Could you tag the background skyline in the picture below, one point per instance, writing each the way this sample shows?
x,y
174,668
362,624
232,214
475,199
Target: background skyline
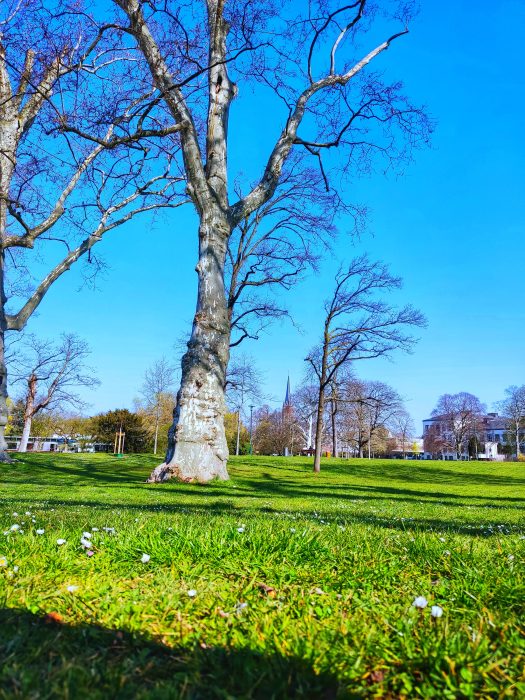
x,y
450,226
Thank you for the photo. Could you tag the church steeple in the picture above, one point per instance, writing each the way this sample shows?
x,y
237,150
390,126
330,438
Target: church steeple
x,y
288,396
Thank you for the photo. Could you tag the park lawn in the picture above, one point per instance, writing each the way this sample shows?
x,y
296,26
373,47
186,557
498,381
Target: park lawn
x,y
303,583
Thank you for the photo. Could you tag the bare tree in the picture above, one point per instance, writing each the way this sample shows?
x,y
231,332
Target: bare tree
x,y
313,60
243,383
62,189
403,428
459,415
305,406
368,408
358,326
513,409
51,374
158,382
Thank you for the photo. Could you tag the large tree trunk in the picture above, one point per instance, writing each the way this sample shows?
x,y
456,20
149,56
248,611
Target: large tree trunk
x,y
25,434
8,139
197,448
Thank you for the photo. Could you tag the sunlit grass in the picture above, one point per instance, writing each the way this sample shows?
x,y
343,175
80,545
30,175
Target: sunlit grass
x,y
303,584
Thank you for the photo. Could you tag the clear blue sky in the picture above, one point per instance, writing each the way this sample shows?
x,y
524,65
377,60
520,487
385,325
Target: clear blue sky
x,y
452,227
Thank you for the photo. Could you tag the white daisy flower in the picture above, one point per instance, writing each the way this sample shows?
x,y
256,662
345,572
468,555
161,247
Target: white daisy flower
x,y
40,531
420,602
14,527
192,593
72,589
3,561
145,558
436,611
61,541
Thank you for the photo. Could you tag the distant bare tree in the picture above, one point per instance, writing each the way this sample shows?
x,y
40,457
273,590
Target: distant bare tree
x,y
459,415
368,408
156,394
403,428
434,440
51,373
243,383
63,188
513,409
357,326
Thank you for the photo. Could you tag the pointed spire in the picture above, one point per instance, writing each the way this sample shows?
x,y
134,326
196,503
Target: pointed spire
x,y
288,396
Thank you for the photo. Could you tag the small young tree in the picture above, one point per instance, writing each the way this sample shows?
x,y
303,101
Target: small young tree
x,y
157,399
357,326
106,425
51,374
513,409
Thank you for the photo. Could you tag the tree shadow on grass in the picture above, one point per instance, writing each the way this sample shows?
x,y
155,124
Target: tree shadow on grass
x,y
40,657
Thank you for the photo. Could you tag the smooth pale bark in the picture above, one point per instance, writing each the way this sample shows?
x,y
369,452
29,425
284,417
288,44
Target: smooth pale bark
x,y
197,447
333,415
29,412
4,414
319,432
25,434
8,141
237,446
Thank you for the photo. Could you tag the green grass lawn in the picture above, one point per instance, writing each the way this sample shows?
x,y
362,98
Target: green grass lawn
x,y
277,584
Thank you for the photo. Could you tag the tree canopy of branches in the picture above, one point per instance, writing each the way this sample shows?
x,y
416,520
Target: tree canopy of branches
x,y
459,417
63,187
358,325
311,64
51,373
367,407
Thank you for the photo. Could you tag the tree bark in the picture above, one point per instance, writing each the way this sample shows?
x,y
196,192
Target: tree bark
x,y
4,413
237,446
29,412
156,437
25,434
197,447
334,427
319,432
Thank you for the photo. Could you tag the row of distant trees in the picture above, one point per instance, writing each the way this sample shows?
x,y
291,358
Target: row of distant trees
x,y
359,418
461,424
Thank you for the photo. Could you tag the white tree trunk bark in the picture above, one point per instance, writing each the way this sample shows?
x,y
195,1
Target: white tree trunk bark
x,y
4,457
197,448
25,435
156,437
